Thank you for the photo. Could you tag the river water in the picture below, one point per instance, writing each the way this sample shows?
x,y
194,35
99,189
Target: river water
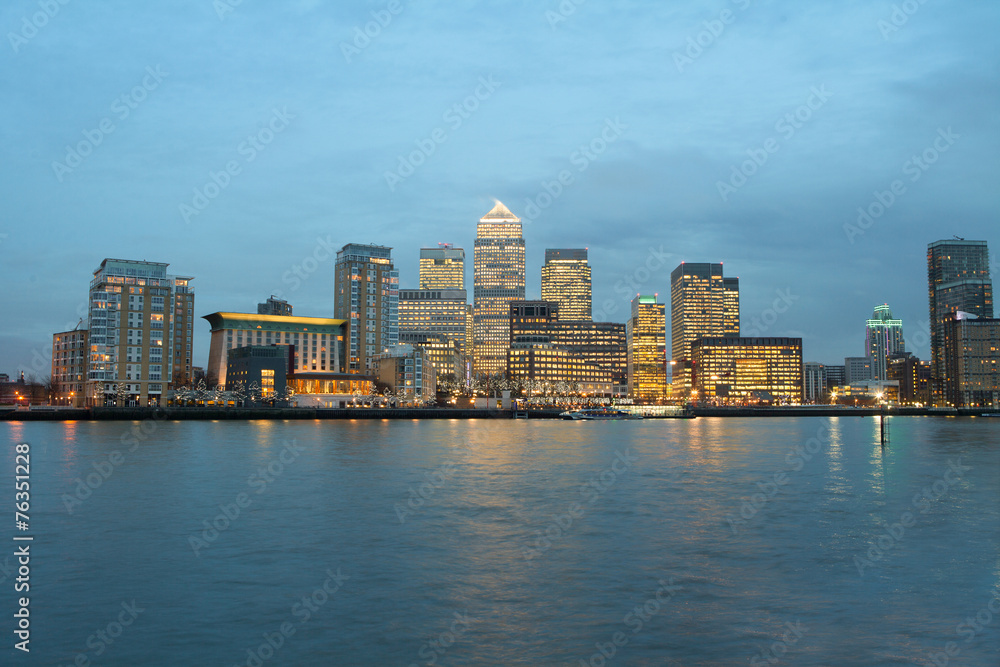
x,y
714,541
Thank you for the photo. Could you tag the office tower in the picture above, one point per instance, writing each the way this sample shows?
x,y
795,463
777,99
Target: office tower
x,y
883,337
566,280
436,320
814,381
442,268
498,263
601,345
731,306
317,343
913,376
836,376
69,367
858,369
972,361
140,323
366,294
730,369
274,306
702,303
647,344
958,279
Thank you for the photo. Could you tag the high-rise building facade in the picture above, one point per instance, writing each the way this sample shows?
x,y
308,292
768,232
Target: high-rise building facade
x,y
702,303
733,370
913,376
498,263
958,279
814,381
858,369
436,317
883,337
972,361
566,280
274,306
140,339
366,294
69,367
646,336
442,267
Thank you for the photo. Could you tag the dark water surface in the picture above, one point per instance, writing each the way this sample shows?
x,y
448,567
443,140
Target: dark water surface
x,y
509,542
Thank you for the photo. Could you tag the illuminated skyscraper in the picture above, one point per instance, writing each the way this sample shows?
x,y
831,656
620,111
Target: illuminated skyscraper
x,y
958,279
883,337
442,268
702,303
566,280
435,320
366,294
734,370
498,263
646,339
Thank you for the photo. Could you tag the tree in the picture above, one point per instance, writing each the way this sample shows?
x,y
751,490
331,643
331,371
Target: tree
x,y
121,394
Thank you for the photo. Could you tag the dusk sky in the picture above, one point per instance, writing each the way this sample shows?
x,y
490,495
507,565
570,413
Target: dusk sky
x,y
116,116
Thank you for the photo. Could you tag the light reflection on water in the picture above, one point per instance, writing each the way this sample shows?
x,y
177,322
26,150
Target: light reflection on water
x,y
490,489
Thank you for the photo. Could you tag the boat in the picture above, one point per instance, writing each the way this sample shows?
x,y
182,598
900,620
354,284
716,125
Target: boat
x,y
990,414
595,414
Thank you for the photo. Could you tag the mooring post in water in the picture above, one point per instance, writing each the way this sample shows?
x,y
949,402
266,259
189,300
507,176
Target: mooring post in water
x,y
881,425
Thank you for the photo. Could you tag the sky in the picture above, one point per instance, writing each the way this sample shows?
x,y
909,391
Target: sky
x,y
814,148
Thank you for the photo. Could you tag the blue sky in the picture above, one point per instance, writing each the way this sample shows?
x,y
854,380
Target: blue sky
x,y
291,121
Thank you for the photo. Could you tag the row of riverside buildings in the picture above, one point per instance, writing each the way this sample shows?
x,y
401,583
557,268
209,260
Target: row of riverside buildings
x,y
136,346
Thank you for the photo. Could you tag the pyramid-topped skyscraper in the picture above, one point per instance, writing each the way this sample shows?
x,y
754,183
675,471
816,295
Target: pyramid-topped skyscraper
x,y
499,274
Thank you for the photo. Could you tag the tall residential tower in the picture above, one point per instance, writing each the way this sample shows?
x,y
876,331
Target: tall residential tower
x,y
366,294
958,279
883,337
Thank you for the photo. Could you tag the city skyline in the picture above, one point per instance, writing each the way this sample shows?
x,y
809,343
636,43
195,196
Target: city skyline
x,y
629,165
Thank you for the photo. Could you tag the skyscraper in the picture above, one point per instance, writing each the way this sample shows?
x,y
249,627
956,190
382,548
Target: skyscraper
x,y
498,267
958,279
366,294
274,306
141,321
566,280
442,267
883,337
646,339
702,303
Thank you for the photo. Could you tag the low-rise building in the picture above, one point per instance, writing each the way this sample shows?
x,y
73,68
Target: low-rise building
x,y
407,371
70,352
734,370
259,370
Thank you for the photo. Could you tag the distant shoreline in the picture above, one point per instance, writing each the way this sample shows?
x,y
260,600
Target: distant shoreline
x,y
189,413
